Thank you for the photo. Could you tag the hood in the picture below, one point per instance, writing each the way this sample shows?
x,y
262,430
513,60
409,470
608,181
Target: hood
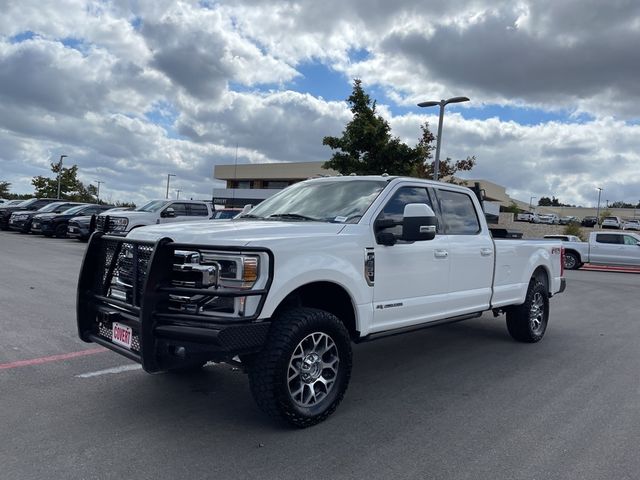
x,y
81,219
19,211
129,214
235,232
45,216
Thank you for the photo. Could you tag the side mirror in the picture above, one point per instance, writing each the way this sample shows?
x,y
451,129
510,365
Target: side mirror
x,y
419,223
246,209
169,212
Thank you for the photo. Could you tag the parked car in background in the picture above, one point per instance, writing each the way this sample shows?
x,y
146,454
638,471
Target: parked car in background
x,y
631,225
225,214
31,204
524,217
81,227
603,248
154,212
589,221
50,224
550,218
569,219
21,220
612,222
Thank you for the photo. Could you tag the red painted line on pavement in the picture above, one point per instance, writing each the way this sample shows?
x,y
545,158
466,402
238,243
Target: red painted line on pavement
x,y
52,358
606,268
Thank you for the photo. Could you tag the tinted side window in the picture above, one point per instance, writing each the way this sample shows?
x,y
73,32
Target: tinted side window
x,y
608,238
197,210
179,208
459,213
394,209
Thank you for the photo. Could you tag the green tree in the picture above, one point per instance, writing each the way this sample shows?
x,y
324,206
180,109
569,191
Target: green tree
x,y
4,189
367,147
71,188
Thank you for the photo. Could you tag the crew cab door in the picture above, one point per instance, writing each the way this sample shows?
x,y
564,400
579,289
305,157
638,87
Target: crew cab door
x,y
471,252
606,248
411,278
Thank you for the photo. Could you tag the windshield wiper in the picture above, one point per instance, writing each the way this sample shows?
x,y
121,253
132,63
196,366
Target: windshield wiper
x,y
249,215
294,216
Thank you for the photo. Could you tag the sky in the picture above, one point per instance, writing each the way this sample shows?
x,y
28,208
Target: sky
x,y
133,90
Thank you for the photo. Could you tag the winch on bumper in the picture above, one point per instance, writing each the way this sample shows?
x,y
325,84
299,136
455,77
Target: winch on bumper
x,y
166,304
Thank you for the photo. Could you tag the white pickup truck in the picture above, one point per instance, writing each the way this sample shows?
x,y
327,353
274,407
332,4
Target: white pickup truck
x,y
603,248
153,213
284,289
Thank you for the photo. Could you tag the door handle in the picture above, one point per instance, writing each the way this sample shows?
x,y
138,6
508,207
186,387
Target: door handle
x,y
440,253
485,252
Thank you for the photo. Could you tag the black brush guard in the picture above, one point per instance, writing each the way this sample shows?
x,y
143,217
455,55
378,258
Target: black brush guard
x,y
162,339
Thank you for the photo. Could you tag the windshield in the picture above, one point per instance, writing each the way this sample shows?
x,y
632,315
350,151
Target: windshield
x,y
152,206
50,207
75,209
325,201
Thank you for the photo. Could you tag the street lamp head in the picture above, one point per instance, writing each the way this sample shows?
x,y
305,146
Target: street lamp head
x,y
63,156
456,100
428,104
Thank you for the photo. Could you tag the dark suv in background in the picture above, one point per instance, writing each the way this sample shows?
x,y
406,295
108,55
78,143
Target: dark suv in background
x,y
32,204
50,224
21,220
589,221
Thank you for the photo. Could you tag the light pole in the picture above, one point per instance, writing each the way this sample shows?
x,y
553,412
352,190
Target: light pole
x,y
60,174
178,194
169,175
598,210
531,202
98,193
442,103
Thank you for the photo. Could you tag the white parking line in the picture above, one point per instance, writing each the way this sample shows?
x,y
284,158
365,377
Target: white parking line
x,y
108,371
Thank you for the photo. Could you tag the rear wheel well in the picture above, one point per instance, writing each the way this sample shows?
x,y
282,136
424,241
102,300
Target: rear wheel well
x,y
541,275
326,296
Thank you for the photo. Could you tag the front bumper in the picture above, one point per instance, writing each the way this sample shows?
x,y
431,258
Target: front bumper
x,y
42,227
161,338
78,231
20,225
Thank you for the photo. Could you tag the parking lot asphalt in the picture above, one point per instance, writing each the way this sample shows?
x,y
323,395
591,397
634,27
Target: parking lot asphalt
x,y
461,401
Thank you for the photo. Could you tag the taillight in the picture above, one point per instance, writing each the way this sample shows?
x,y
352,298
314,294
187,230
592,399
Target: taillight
x,y
562,261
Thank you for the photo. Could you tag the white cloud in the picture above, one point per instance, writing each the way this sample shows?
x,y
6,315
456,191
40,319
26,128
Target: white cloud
x,y
132,91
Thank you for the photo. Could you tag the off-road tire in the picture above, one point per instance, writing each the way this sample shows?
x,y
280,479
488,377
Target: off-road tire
x,y
269,369
525,323
571,262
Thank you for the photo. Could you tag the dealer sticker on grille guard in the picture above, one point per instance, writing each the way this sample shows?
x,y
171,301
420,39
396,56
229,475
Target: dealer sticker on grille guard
x,y
121,334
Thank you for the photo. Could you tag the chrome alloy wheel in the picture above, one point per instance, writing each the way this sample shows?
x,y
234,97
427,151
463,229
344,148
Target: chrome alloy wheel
x,y
536,313
313,369
569,262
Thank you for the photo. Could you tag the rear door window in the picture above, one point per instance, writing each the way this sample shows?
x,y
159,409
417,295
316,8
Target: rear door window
x,y
459,213
198,210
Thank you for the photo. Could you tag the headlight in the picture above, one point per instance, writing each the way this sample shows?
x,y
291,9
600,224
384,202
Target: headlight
x,y
119,223
213,271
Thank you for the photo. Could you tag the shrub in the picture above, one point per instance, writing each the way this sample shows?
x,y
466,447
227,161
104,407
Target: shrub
x,y
574,229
